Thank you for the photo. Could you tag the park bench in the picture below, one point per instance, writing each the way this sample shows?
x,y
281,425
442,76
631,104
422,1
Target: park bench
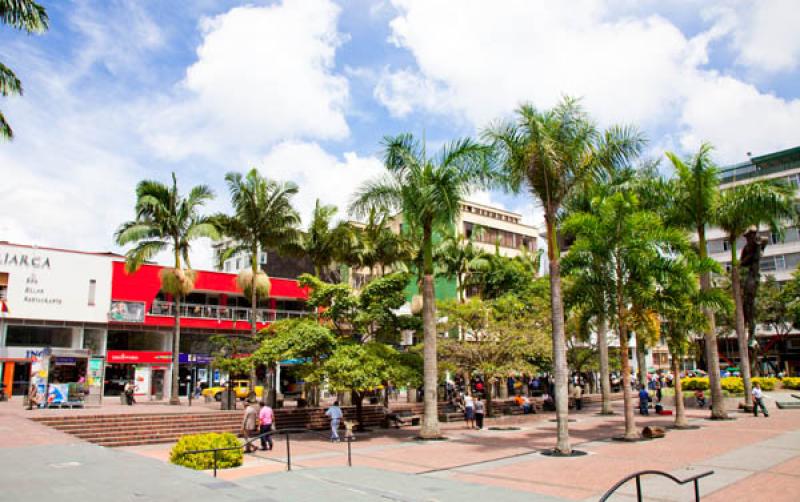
x,y
406,417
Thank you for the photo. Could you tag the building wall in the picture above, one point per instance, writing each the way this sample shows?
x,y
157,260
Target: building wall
x,y
55,285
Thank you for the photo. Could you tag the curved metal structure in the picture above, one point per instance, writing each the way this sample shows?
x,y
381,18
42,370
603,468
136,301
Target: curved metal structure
x,y
638,477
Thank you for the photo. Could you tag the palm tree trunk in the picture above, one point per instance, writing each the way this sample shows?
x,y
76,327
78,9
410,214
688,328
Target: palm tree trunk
x,y
630,419
253,314
640,359
741,332
559,340
174,398
710,339
680,409
605,383
430,419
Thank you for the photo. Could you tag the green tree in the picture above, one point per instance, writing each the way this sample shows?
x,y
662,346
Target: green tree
x,y
325,244
777,307
428,192
696,190
27,16
681,305
303,339
550,153
165,220
362,368
263,218
637,248
738,209
459,259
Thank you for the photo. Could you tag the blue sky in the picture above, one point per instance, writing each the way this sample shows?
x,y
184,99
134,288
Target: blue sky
x,y
305,89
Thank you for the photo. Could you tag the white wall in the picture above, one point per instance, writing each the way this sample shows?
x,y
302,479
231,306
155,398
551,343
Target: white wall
x,y
54,285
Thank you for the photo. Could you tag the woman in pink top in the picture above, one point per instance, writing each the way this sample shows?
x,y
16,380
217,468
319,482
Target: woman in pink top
x,y
266,417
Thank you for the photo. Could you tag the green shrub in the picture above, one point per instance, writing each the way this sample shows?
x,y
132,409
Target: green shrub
x,y
791,382
694,383
766,383
201,461
734,385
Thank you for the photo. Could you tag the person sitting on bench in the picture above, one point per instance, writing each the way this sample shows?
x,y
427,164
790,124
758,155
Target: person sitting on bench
x,y
392,418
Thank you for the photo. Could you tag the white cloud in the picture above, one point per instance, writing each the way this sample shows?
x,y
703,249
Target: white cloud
x,y
482,60
765,34
319,174
262,75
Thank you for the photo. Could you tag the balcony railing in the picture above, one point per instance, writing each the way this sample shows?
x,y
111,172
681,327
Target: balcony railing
x,y
221,312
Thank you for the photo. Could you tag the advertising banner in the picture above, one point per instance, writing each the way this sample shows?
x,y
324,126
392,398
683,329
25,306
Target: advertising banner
x,y
95,374
141,380
138,357
57,393
126,311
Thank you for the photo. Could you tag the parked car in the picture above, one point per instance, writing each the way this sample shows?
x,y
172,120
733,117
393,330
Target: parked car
x,y
240,387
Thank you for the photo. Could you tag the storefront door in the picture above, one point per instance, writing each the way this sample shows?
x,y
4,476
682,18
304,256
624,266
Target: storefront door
x,y
157,379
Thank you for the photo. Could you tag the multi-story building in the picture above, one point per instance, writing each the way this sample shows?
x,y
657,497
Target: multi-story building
x,y
491,228
780,258
72,317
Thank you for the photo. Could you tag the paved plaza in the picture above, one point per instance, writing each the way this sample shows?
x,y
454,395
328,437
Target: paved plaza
x,y
752,459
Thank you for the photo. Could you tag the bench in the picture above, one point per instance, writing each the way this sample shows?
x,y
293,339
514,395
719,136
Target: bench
x,y
405,417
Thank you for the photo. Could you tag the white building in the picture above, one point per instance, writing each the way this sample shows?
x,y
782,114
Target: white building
x,y
57,299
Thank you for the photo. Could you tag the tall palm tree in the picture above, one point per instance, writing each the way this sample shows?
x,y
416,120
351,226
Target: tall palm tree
x,y
696,190
325,244
637,249
551,152
263,218
165,220
428,192
28,16
737,210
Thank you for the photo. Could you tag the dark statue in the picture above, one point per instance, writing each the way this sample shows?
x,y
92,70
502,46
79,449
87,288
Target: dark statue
x,y
750,260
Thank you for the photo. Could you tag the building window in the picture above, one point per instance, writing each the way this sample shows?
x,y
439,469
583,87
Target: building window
x,y
238,263
92,291
794,180
3,285
263,258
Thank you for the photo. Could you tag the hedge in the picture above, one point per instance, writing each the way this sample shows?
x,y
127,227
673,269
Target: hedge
x,y
202,461
694,383
734,385
791,382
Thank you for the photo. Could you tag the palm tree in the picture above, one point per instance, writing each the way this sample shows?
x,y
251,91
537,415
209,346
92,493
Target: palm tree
x,y
550,153
637,250
737,210
322,243
428,192
166,220
263,218
27,16
696,191
459,258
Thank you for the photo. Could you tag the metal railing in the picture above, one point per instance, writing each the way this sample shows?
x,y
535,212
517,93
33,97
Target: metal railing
x,y
638,477
287,433
221,312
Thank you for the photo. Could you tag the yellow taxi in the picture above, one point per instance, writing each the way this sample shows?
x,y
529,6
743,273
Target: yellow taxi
x,y
240,387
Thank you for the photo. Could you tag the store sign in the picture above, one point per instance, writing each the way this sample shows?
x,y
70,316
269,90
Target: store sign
x,y
138,357
126,311
49,284
185,358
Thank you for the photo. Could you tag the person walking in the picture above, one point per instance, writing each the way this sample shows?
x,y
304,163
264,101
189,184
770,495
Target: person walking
x,y
469,411
658,391
250,426
480,409
758,400
577,393
335,414
266,421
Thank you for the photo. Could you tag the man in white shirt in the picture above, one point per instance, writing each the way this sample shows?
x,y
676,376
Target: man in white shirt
x,y
335,414
758,400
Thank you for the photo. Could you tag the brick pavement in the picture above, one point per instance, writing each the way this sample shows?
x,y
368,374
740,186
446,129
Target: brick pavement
x,y
753,458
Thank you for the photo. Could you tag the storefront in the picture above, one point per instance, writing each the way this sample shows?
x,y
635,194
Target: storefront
x,y
53,300
149,371
195,369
